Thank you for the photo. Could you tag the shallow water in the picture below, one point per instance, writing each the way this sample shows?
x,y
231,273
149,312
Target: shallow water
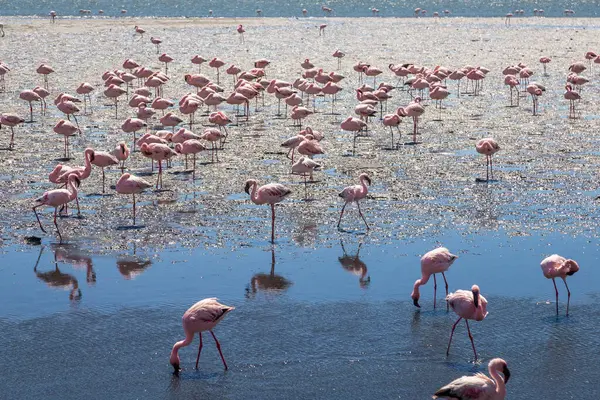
x,y
304,326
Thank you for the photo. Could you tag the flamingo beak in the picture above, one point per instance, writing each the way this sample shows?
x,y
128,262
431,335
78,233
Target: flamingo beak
x,y
368,180
476,299
416,302
506,373
247,188
176,369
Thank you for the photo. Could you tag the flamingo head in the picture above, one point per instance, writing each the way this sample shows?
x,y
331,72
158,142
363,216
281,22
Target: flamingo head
x,y
249,184
572,265
366,178
500,365
123,147
475,290
415,295
175,364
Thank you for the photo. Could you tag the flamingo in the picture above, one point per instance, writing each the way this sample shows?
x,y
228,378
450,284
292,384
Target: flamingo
x,y
11,121
165,58
433,262
190,146
354,194
113,92
271,194
392,120
30,96
305,166
489,147
414,110
572,96
544,61
85,89
355,125
156,41
45,70
103,159
121,153
131,184
556,266
65,128
57,197
157,152
241,30
202,316
468,305
478,386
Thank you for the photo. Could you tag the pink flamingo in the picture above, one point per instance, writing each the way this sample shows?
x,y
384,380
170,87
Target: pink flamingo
x,y
299,113
468,305
45,70
241,30
392,120
113,92
372,71
11,121
438,93
165,58
69,108
60,174
190,146
305,166
310,147
291,144
103,159
171,120
216,63
489,147
213,135
271,194
139,31
572,96
354,194
30,96
202,316
132,125
322,29
535,91
198,60
544,61
43,93
157,152
478,386
512,83
556,266
57,197
414,110
121,153
434,262
156,41
85,89
339,55
355,125
66,129
130,184
221,120
161,104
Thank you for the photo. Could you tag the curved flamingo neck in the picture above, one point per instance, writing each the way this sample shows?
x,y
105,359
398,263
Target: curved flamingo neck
x,y
500,386
189,336
363,185
254,192
72,188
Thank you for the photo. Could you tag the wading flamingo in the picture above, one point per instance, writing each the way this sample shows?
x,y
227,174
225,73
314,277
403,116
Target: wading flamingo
x,y
202,316
434,262
354,194
130,184
478,386
556,266
56,198
489,147
271,194
468,305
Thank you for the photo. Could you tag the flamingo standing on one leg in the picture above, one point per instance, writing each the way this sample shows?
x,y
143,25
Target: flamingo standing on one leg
x,y
468,305
354,194
556,266
572,96
157,152
11,121
45,70
130,184
103,159
305,166
271,194
202,316
414,110
190,146
434,262
478,386
85,89
56,198
392,120
30,96
241,30
489,147
121,153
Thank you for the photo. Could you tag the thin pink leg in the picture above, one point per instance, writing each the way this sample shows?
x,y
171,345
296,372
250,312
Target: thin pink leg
x,y
56,224
434,290
38,218
452,334
556,290
272,225
341,214
362,216
133,208
446,282
471,337
568,296
219,348
199,349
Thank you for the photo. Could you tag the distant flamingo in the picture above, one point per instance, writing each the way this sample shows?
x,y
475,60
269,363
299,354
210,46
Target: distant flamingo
x,y
339,55
572,96
156,41
556,266
85,89
193,147
198,60
489,147
216,63
130,184
30,96
11,121
43,93
45,70
202,316
392,120
468,305
271,194
56,198
139,31
544,61
241,30
165,58
478,386
121,153
434,262
354,194
305,166
414,110
132,125
157,152
66,129
103,159
322,29
113,92
535,91
353,125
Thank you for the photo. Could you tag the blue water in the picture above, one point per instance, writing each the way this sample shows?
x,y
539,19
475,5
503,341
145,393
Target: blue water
x,y
277,8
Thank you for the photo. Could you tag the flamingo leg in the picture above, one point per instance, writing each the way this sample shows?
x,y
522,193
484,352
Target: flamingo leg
x,y
12,138
38,217
362,216
341,215
199,349
103,180
219,348
194,171
556,291
133,208
568,296
446,282
434,290
56,224
491,167
471,337
272,223
452,334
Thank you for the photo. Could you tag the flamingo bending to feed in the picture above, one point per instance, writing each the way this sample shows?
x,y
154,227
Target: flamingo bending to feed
x,y
202,316
56,198
556,266
271,194
354,194
489,147
478,386
130,184
468,305
433,262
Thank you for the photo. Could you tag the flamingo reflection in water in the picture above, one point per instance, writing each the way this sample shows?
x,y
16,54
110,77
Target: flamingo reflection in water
x,y
71,254
268,282
57,279
354,265
131,267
